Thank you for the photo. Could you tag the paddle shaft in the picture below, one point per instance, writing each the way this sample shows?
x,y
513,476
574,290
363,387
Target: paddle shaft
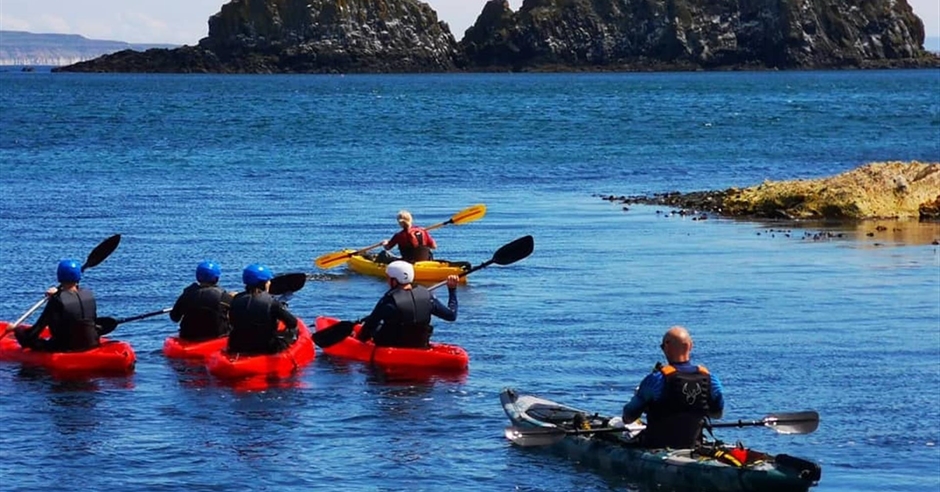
x,y
765,422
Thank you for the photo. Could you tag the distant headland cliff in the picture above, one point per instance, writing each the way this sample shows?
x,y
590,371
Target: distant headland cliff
x,y
405,36
26,48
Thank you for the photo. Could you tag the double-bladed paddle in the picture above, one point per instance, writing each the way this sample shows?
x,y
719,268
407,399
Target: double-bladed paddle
x,y
107,325
467,215
783,423
101,252
509,253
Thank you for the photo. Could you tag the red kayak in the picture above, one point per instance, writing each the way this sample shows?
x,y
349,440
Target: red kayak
x,y
282,364
111,357
176,348
439,357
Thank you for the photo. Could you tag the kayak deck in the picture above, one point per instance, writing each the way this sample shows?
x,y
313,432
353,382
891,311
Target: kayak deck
x,y
110,357
438,357
177,348
227,366
425,271
685,470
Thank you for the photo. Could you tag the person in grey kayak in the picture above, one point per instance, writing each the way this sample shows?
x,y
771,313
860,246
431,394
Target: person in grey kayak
x,y
255,314
202,309
402,317
70,316
414,243
677,397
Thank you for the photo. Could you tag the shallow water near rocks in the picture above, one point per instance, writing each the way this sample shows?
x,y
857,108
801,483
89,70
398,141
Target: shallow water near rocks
x,y
282,169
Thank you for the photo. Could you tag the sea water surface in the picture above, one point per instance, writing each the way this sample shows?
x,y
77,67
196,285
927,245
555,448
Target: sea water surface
x,y
282,169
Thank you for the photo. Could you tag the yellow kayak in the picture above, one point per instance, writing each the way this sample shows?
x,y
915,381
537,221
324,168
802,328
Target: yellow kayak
x,y
425,271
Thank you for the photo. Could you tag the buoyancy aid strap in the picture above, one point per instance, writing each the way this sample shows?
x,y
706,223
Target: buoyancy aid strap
x,y
667,370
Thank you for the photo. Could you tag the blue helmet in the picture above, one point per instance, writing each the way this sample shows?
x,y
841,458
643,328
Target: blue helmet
x,y
208,272
255,274
69,271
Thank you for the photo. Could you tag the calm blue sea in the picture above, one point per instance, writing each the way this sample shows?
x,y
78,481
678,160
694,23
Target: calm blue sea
x,y
282,169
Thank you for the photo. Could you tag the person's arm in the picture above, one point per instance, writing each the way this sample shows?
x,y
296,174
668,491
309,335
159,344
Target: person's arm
x,y
431,242
282,314
448,312
371,322
391,243
649,390
716,407
176,314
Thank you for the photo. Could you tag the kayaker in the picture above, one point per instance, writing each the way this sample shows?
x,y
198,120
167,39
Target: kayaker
x,y
402,317
70,316
202,309
414,243
254,315
676,397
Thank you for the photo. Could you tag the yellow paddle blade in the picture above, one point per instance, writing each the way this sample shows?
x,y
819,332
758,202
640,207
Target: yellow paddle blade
x,y
332,260
469,214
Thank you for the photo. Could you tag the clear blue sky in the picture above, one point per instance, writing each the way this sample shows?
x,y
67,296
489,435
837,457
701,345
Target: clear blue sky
x,y
185,21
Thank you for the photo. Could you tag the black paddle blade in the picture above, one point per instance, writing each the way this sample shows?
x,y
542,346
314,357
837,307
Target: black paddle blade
x,y
514,251
333,334
102,251
105,325
289,282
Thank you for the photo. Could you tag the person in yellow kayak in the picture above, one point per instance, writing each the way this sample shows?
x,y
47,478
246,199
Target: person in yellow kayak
x,y
255,314
402,317
202,309
414,243
676,397
70,316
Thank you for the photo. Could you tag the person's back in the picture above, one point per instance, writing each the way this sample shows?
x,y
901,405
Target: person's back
x,y
254,315
202,308
414,243
402,317
70,316
677,397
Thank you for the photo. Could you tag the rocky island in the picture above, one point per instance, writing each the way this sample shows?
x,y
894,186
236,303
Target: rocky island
x,y
406,36
883,190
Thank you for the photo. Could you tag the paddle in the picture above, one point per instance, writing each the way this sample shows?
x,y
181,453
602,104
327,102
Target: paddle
x,y
101,252
287,283
509,253
467,215
783,423
107,325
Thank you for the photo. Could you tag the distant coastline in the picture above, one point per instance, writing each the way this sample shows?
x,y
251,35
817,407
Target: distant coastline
x,y
20,48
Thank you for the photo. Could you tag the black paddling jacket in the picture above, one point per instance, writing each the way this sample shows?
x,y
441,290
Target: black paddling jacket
x,y
70,316
402,317
254,317
202,312
675,420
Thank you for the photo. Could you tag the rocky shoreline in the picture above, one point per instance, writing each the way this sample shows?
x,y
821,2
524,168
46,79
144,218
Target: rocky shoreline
x,y
887,190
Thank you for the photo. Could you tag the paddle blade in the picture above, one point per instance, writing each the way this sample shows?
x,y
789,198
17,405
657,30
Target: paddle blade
x,y
333,334
469,214
332,260
287,283
105,325
514,251
793,423
544,436
102,251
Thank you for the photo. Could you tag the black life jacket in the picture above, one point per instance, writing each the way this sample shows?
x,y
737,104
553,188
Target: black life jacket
x,y
75,329
411,327
254,327
676,419
417,247
207,313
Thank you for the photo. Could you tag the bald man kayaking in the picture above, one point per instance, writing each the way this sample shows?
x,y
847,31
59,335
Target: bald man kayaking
x,y
676,397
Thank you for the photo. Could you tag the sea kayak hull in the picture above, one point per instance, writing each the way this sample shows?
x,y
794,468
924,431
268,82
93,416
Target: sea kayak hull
x,y
425,271
662,469
176,348
227,366
110,357
439,357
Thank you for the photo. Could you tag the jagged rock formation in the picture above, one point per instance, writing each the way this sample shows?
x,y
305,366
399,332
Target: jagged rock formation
x,y
315,36
309,36
692,34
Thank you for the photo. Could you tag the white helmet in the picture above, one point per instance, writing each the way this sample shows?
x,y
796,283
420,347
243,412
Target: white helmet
x,y
402,271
